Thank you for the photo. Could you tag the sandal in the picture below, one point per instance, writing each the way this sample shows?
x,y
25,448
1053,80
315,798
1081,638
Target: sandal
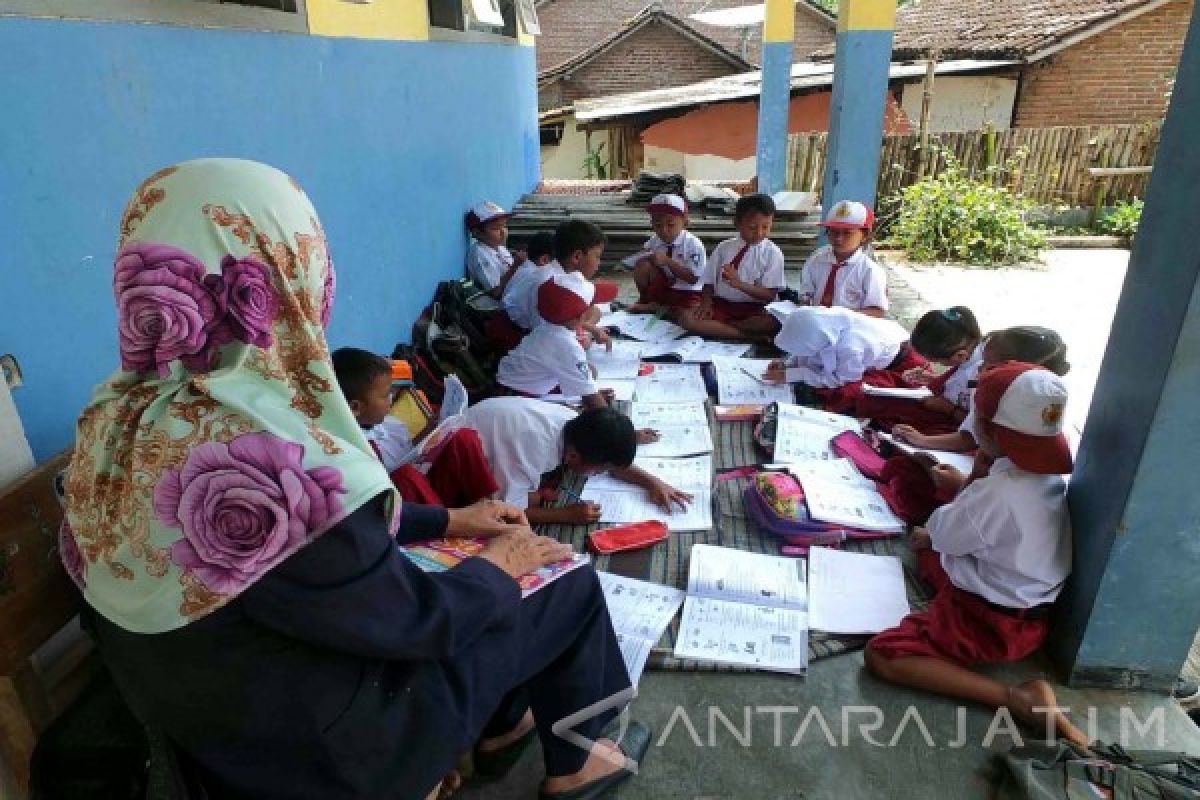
x,y
492,765
634,744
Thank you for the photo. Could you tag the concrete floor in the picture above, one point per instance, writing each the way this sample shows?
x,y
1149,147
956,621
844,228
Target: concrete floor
x,y
892,761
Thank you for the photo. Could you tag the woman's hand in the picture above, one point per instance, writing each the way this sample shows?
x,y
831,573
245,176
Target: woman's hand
x,y
519,553
486,518
667,497
647,436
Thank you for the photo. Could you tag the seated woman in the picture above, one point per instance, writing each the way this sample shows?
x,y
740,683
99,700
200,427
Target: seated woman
x,y
234,537
835,350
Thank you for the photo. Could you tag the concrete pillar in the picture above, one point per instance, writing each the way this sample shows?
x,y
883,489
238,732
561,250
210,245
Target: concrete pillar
x,y
779,31
1132,605
860,84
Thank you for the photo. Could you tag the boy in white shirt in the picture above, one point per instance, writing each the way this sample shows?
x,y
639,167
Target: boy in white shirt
x,y
997,556
524,439
550,359
671,273
842,273
489,263
743,275
510,326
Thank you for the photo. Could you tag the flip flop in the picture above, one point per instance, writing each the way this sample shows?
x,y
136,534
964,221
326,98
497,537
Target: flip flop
x,y
634,744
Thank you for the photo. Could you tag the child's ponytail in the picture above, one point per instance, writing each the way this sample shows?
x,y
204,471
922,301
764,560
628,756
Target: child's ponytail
x,y
940,334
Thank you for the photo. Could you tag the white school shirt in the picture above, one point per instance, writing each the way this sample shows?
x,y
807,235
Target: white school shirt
x,y
958,389
762,266
860,284
521,304
1007,537
486,265
548,359
688,250
830,347
522,439
392,440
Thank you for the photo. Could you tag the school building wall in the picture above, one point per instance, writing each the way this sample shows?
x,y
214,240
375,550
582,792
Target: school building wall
x,y
393,139
1119,76
963,102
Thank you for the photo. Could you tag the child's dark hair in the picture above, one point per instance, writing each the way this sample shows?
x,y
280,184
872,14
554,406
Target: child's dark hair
x,y
754,204
540,244
602,436
940,334
355,369
1031,344
575,235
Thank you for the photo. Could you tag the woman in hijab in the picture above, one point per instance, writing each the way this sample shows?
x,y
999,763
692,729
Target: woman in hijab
x,y
235,538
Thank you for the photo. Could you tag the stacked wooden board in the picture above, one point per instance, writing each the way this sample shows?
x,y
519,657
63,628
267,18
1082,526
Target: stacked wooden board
x,y
628,225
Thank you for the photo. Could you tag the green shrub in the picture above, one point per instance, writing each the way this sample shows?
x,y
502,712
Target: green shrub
x,y
1124,219
954,217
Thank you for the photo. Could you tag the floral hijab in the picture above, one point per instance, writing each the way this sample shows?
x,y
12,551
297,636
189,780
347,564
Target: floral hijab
x,y
222,445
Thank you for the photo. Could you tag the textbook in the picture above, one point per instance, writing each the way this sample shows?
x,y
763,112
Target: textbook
x,y
643,327
837,502
745,609
919,393
804,434
693,350
963,462
682,428
622,502
640,612
439,555
855,592
739,382
671,383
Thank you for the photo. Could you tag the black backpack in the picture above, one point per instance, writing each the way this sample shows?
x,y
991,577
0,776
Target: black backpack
x,y
451,338
1061,771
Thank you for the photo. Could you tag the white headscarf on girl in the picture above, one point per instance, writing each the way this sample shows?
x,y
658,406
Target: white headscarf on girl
x,y
830,347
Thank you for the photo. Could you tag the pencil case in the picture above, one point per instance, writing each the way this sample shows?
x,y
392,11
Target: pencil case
x,y
854,447
628,537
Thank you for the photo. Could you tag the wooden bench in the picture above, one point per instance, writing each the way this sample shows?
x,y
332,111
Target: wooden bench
x,y
36,600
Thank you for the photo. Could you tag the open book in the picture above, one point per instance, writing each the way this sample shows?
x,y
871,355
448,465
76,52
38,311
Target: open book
x,y
693,350
640,612
671,383
682,427
963,462
739,383
855,592
804,434
643,327
746,609
439,555
840,503
622,502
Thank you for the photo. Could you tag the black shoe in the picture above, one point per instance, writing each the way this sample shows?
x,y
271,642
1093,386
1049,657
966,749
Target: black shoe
x,y
634,744
1186,690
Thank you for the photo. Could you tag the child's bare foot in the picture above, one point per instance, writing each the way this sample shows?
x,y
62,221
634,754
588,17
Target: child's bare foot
x,y
605,759
1037,694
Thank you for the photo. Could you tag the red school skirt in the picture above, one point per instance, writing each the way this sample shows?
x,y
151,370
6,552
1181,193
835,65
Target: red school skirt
x,y
905,372
730,312
660,291
458,477
959,626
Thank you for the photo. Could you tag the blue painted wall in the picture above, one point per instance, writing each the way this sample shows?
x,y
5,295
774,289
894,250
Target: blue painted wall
x,y
392,140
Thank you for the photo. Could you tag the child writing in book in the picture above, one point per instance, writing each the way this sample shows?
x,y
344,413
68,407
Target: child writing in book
x,y
843,273
671,274
949,337
1027,343
507,328
489,263
550,359
835,350
997,557
525,439
458,477
743,275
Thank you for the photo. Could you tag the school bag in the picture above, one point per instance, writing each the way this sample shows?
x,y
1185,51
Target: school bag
x,y
775,501
450,338
1062,771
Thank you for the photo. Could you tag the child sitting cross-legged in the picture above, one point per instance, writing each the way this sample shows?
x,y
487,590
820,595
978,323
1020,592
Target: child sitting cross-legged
x,y
526,439
997,557
458,477
671,274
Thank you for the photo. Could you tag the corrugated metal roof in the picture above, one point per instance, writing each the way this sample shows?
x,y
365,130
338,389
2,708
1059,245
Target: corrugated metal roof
x,y
742,86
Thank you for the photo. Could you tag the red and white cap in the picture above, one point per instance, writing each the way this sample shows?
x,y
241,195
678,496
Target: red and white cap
x,y
668,204
563,298
483,213
1021,408
849,215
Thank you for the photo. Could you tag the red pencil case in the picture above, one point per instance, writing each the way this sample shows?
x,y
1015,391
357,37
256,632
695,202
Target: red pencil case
x,y
628,537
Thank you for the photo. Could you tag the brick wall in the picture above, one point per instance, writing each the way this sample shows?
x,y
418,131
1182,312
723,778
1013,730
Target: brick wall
x,y
571,26
1120,76
652,58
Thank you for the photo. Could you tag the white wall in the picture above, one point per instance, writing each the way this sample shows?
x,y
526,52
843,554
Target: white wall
x,y
15,456
963,103
564,161
703,167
